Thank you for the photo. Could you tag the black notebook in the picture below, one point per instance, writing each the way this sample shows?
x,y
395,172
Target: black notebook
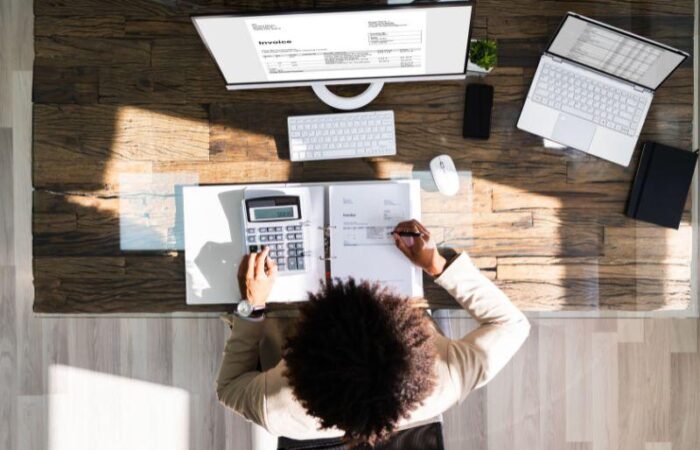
x,y
661,184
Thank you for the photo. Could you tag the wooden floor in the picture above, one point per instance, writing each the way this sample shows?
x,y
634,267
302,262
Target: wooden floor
x,y
128,87
74,384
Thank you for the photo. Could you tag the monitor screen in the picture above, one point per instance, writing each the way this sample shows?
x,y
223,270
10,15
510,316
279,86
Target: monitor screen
x,y
615,52
429,40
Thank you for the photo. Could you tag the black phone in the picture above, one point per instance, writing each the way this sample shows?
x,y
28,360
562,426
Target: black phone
x,y
478,104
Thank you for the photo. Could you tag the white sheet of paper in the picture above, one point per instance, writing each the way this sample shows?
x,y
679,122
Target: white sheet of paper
x,y
214,244
361,218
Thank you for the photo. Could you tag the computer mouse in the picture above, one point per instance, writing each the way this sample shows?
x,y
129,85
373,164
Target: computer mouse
x,y
445,175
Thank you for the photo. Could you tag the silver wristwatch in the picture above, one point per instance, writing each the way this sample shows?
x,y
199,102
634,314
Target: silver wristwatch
x,y
245,310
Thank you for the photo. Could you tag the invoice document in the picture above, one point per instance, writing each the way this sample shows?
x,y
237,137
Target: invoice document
x,y
362,217
366,44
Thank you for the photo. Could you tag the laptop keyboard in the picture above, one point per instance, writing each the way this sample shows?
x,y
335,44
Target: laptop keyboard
x,y
584,97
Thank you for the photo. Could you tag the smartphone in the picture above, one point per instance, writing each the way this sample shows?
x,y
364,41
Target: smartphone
x,y
478,104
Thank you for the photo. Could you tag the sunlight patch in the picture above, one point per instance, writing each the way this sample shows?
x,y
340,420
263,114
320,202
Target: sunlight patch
x,y
92,410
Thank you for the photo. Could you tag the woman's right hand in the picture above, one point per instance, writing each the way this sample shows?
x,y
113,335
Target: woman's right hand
x,y
421,250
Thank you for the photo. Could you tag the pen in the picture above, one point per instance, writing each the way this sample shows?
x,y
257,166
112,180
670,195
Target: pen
x,y
407,233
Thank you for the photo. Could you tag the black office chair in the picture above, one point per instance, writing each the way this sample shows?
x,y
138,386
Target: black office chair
x,y
422,437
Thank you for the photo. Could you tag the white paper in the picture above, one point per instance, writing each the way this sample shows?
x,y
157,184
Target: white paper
x,y
214,244
361,217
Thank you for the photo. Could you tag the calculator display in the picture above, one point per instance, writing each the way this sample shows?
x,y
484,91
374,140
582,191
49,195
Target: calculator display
x,y
275,213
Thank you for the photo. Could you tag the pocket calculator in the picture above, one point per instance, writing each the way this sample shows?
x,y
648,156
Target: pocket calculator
x,y
276,222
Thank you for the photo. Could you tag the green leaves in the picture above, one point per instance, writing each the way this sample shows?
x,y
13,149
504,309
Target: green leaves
x,y
483,53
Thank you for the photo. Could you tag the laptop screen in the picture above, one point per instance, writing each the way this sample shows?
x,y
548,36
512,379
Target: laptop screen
x,y
615,52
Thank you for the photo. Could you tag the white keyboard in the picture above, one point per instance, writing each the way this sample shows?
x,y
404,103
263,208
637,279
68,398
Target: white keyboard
x,y
341,135
585,97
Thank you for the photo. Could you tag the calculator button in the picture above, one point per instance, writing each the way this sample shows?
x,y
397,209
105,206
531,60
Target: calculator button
x,y
280,267
280,262
300,263
290,228
278,237
253,248
278,246
297,228
251,238
290,244
292,264
278,229
263,238
292,253
263,230
297,236
250,230
273,253
290,235
298,245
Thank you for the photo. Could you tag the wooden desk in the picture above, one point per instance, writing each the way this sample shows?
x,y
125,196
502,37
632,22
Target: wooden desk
x,y
128,87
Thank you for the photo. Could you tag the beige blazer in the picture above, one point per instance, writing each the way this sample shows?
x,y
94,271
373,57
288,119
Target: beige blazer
x,y
462,365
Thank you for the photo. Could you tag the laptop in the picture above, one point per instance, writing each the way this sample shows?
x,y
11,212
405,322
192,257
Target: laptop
x,y
593,87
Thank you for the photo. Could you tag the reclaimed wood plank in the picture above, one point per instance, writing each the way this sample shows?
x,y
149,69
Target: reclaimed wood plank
x,y
102,133
65,85
153,284
645,243
73,51
609,196
548,268
100,26
142,86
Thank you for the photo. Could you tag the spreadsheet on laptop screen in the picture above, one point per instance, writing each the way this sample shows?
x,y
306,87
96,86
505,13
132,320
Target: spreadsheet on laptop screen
x,y
614,52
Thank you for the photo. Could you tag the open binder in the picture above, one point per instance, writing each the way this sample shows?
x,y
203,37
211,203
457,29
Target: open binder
x,y
347,226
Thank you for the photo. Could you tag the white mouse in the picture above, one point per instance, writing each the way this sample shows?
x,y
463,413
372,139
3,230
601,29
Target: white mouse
x,y
445,175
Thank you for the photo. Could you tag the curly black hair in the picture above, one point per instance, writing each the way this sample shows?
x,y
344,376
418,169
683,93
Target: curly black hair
x,y
360,359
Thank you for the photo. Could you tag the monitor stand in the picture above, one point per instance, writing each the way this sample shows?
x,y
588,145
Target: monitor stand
x,y
347,103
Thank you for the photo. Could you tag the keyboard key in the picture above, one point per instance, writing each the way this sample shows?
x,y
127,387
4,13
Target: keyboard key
x,y
253,248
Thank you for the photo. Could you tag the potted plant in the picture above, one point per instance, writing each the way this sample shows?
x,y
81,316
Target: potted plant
x,y
482,56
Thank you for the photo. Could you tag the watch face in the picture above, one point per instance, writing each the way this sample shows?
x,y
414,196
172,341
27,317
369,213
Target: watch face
x,y
244,308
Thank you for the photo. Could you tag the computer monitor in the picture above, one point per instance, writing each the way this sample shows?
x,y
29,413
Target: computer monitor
x,y
340,46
